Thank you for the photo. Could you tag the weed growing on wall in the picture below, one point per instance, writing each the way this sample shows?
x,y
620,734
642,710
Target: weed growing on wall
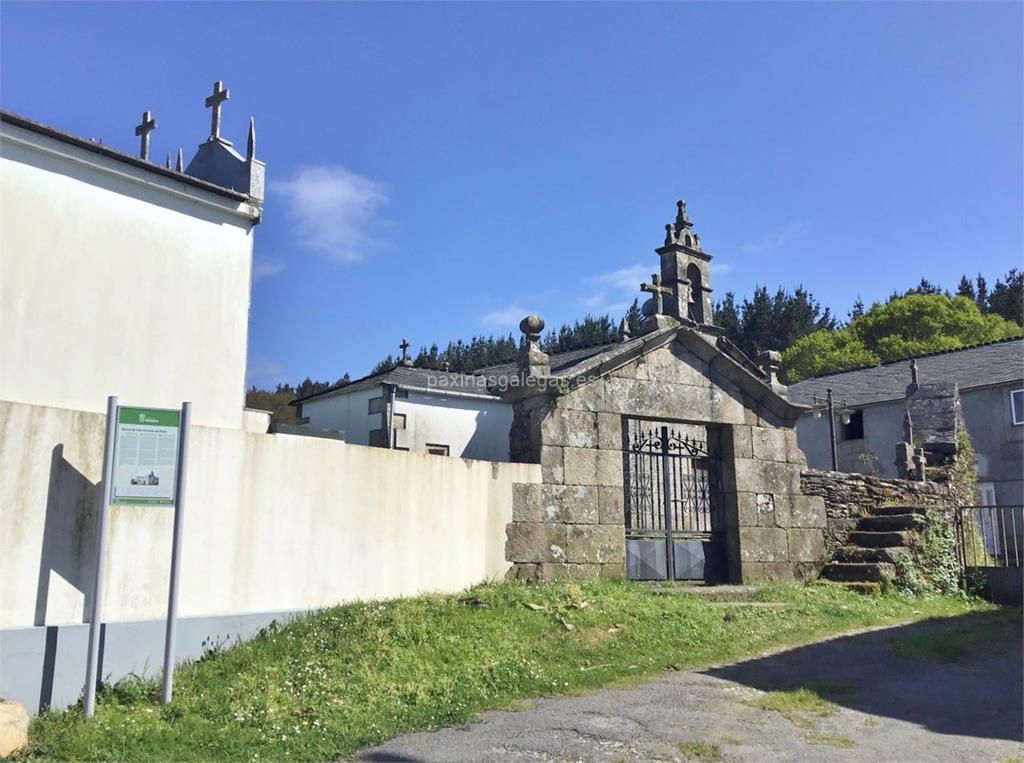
x,y
933,567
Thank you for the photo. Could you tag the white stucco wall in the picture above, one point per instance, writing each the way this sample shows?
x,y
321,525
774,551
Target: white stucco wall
x,y
116,280
348,413
273,522
471,427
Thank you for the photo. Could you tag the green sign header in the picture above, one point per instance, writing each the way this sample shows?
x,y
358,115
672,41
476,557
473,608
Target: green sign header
x,y
158,417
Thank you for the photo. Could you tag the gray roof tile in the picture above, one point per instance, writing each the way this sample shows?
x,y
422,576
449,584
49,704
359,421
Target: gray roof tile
x,y
976,366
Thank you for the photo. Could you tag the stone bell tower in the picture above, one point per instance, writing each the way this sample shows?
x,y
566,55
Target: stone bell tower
x,y
686,270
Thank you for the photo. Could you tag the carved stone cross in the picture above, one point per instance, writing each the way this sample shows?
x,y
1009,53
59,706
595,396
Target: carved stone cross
x,y
656,290
220,94
143,131
406,360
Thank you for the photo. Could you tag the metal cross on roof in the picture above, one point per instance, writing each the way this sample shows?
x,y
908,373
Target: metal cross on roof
x,y
406,360
655,289
220,94
143,130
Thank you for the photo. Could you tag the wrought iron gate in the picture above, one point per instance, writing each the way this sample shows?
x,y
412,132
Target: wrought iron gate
x,y
672,502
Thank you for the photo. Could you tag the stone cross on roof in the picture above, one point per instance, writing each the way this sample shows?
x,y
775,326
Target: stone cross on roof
x,y
143,130
220,94
656,290
406,360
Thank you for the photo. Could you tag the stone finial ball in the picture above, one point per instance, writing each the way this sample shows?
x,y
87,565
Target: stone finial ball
x,y
531,324
772,357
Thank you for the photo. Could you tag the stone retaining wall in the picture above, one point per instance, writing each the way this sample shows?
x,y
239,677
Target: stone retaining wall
x,y
850,496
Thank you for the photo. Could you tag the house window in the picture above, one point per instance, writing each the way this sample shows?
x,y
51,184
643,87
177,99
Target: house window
x,y
376,405
437,450
1017,406
854,430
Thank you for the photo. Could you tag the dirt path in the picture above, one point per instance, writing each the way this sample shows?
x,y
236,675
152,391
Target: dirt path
x,y
887,708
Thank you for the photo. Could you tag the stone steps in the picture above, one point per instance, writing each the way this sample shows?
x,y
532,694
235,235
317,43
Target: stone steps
x,y
873,549
871,539
858,572
861,554
715,593
887,511
860,586
887,522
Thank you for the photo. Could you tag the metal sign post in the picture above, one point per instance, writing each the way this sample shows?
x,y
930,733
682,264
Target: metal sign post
x,y
144,459
92,658
172,594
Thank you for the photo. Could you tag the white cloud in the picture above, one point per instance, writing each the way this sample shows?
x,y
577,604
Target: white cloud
x,y
612,292
265,267
775,239
334,211
623,279
720,268
506,317
262,371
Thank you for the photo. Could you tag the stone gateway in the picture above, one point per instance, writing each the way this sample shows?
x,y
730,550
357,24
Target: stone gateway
x,y
668,455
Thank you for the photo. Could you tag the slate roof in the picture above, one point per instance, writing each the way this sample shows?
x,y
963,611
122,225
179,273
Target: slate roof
x,y
409,377
978,366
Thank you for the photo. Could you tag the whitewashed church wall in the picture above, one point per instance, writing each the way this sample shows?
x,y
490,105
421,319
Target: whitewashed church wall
x,y
273,523
118,281
470,427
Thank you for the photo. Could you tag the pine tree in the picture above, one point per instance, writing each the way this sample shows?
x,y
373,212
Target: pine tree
x,y
858,309
634,317
966,289
727,317
981,298
1007,299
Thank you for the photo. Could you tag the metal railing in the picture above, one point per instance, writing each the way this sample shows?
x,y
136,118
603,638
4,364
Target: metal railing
x,y
990,536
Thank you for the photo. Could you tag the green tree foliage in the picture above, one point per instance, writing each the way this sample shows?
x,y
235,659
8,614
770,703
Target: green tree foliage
x,y
586,333
276,401
1007,298
981,293
824,352
915,324
480,352
634,317
966,289
771,322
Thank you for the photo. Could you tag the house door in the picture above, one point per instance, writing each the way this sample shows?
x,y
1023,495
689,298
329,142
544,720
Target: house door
x,y
672,503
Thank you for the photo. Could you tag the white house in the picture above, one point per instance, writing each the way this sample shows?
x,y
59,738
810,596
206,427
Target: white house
x,y
415,409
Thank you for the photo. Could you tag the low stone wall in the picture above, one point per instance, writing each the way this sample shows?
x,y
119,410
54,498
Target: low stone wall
x,y
850,496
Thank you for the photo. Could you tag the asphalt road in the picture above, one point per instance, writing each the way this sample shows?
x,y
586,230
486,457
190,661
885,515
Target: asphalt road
x,y
894,709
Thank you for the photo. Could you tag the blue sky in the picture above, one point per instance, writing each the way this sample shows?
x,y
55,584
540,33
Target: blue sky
x,y
437,170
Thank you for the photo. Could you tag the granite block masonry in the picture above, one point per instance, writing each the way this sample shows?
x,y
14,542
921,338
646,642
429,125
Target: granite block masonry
x,y
576,415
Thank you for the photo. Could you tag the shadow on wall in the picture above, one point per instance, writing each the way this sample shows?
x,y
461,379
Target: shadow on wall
x,y
958,675
68,550
488,442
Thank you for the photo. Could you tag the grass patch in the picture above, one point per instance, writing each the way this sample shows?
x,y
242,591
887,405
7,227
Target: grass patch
x,y
954,641
936,647
804,703
341,679
799,706
829,740
700,751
